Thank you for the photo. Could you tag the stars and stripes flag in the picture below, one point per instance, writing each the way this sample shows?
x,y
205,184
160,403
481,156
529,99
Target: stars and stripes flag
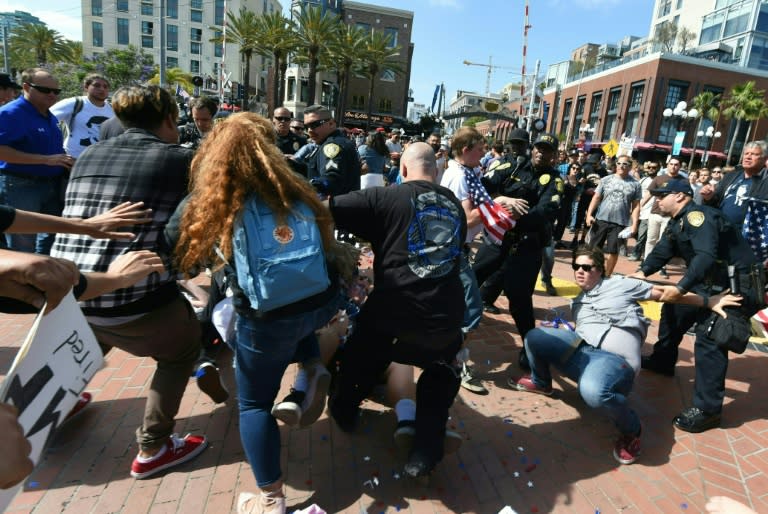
x,y
755,228
496,219
180,92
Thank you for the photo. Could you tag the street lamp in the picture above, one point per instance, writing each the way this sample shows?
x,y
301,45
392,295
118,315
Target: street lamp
x,y
587,131
681,116
711,135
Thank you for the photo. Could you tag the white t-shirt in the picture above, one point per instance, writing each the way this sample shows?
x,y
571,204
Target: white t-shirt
x,y
85,131
453,179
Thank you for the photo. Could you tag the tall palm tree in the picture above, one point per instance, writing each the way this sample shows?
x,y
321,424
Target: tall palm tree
x,y
276,39
242,30
174,76
707,103
379,56
743,103
315,28
46,45
346,50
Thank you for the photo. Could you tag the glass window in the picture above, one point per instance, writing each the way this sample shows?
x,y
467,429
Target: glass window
x,y
122,5
567,113
679,5
304,90
392,33
665,7
290,90
96,9
195,34
172,38
122,31
613,100
365,27
194,66
218,12
738,17
147,9
711,27
385,105
98,33
758,55
762,18
147,41
637,96
388,75
172,62
147,27
195,48
172,8
196,4
196,15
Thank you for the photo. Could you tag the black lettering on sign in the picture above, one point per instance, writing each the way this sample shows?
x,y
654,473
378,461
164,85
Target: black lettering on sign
x,y
23,395
49,417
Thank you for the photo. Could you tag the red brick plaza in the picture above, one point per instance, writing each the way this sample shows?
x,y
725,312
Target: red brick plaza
x,y
533,453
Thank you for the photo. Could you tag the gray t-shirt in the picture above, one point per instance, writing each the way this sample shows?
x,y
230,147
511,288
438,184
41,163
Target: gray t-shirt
x,y
616,197
613,303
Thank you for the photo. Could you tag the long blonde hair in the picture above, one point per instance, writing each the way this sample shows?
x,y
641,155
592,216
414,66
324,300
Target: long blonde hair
x,y
238,159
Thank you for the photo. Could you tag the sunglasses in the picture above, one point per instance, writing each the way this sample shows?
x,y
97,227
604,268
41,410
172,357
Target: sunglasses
x,y
283,118
585,267
297,128
45,90
623,164
316,124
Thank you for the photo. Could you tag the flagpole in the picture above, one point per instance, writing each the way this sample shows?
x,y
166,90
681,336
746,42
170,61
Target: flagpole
x,y
222,77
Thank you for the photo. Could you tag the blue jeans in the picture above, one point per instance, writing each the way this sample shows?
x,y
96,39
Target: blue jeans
x,y
473,302
264,351
605,379
42,195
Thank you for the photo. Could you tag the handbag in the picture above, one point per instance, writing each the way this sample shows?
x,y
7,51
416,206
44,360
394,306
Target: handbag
x,y
731,333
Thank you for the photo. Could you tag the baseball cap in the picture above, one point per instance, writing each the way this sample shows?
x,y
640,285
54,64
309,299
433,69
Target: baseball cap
x,y
6,81
573,152
672,186
546,139
519,134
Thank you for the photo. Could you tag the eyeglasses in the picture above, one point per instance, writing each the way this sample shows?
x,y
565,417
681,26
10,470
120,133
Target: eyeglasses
x,y
45,90
585,267
717,171
653,167
283,119
575,167
313,125
623,164
297,128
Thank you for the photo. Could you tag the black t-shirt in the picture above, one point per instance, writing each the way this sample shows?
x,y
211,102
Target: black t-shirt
x,y
382,216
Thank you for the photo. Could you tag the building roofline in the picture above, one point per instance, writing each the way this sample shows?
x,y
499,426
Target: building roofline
x,y
379,9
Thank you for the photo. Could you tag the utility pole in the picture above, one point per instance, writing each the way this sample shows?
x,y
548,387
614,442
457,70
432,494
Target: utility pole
x,y
6,66
162,43
526,26
533,95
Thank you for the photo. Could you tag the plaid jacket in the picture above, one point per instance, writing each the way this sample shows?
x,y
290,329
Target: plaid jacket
x,y
135,166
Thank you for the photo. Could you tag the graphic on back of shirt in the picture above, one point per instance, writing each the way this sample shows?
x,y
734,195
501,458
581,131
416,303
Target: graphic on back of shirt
x,y
434,236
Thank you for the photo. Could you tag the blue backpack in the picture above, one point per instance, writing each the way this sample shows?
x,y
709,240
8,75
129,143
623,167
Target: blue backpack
x,y
278,265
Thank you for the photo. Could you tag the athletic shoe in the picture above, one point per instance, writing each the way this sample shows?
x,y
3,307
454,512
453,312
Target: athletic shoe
x,y
289,410
470,382
249,503
83,401
209,382
314,401
176,451
627,449
526,384
406,431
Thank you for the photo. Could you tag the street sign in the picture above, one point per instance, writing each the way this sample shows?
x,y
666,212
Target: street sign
x,y
610,148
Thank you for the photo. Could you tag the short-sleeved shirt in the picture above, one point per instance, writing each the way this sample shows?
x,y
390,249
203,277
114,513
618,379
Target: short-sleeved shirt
x,y
84,132
454,179
612,303
616,198
733,205
24,129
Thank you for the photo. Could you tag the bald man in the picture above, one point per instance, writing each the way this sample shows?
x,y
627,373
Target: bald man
x,y
414,315
287,141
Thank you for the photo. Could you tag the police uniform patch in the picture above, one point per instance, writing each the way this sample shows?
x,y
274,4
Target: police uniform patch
x,y
559,185
331,150
555,198
695,218
296,145
544,180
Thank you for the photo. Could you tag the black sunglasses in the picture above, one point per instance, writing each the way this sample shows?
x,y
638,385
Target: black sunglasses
x,y
623,164
283,118
45,90
585,267
297,128
317,123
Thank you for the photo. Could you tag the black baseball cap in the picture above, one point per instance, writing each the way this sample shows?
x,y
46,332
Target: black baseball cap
x,y
672,186
547,139
519,134
6,81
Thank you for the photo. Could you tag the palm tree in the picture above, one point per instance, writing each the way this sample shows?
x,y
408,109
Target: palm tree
x,y
379,56
743,103
242,30
174,76
276,39
346,50
707,103
44,44
315,30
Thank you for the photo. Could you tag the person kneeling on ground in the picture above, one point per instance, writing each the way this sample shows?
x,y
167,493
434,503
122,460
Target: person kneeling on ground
x,y
602,354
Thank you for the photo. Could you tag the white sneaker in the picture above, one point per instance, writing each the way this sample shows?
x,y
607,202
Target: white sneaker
x,y
314,401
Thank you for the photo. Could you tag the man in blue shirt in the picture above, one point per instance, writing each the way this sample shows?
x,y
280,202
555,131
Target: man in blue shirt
x,y
32,158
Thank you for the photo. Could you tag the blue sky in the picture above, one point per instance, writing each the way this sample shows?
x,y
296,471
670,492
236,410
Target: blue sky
x,y
447,32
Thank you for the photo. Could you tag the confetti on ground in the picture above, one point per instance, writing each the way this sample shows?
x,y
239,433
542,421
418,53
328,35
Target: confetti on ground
x,y
520,449
366,458
517,474
684,506
530,467
530,484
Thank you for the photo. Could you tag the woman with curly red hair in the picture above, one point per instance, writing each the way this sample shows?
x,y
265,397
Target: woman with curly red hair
x,y
238,163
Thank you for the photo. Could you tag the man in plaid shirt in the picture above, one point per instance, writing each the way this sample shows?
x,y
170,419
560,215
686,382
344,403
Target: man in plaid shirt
x,y
150,318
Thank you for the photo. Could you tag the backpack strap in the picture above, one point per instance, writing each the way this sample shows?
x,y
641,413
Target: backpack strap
x,y
76,109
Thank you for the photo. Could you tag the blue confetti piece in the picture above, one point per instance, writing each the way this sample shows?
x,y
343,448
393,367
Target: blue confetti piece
x,y
684,506
488,362
509,434
523,459
34,484
537,461
461,465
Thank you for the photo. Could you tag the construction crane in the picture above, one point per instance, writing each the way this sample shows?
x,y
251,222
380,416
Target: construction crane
x,y
490,66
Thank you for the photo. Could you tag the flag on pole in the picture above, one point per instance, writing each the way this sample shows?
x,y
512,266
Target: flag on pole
x,y
434,97
180,92
496,220
755,228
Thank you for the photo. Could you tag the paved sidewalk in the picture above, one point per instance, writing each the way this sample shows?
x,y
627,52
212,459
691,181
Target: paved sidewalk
x,y
533,453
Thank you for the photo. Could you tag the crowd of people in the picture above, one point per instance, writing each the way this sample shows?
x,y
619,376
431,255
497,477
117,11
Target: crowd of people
x,y
452,223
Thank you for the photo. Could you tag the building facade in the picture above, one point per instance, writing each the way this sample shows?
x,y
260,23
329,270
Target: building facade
x,y
16,18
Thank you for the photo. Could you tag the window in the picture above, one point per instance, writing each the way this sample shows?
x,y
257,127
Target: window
x,y
665,7
96,9
711,26
98,33
172,9
594,109
676,91
196,15
758,55
122,31
679,5
171,62
388,75
567,113
196,4
147,28
147,8
580,102
290,90
122,5
304,91
195,34
172,38
392,33
365,27
217,47
636,97
762,18
218,12
195,48
194,66
738,17
147,41
358,102
632,123
612,115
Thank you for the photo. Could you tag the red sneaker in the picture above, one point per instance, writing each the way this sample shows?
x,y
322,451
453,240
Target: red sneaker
x,y
82,402
526,384
176,451
627,449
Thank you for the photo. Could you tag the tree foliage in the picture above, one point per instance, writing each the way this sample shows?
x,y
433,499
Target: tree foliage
x,y
684,36
743,103
123,67
315,29
346,50
174,76
33,45
473,120
380,56
665,36
242,30
276,41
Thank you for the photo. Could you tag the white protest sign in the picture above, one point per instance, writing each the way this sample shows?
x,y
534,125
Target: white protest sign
x,y
53,366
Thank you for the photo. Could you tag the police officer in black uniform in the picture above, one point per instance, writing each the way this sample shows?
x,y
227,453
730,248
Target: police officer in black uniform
x,y
532,195
334,167
287,141
203,109
710,245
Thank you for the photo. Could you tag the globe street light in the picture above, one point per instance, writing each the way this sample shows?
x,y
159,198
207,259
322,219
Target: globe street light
x,y
711,135
681,116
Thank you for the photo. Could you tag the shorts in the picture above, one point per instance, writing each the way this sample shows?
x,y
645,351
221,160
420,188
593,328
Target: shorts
x,y
605,232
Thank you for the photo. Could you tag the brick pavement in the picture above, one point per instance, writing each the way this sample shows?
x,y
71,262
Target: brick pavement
x,y
533,453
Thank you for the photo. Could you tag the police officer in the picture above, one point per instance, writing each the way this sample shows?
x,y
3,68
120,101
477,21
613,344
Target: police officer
x,y
516,157
532,195
334,167
710,245
287,141
203,108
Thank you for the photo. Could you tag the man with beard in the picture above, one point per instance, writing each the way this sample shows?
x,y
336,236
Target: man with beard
x,y
83,115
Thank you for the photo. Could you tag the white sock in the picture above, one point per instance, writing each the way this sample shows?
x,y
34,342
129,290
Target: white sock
x,y
302,380
159,454
405,409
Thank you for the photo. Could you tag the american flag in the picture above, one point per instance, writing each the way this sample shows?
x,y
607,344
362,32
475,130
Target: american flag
x,y
180,91
495,218
755,229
